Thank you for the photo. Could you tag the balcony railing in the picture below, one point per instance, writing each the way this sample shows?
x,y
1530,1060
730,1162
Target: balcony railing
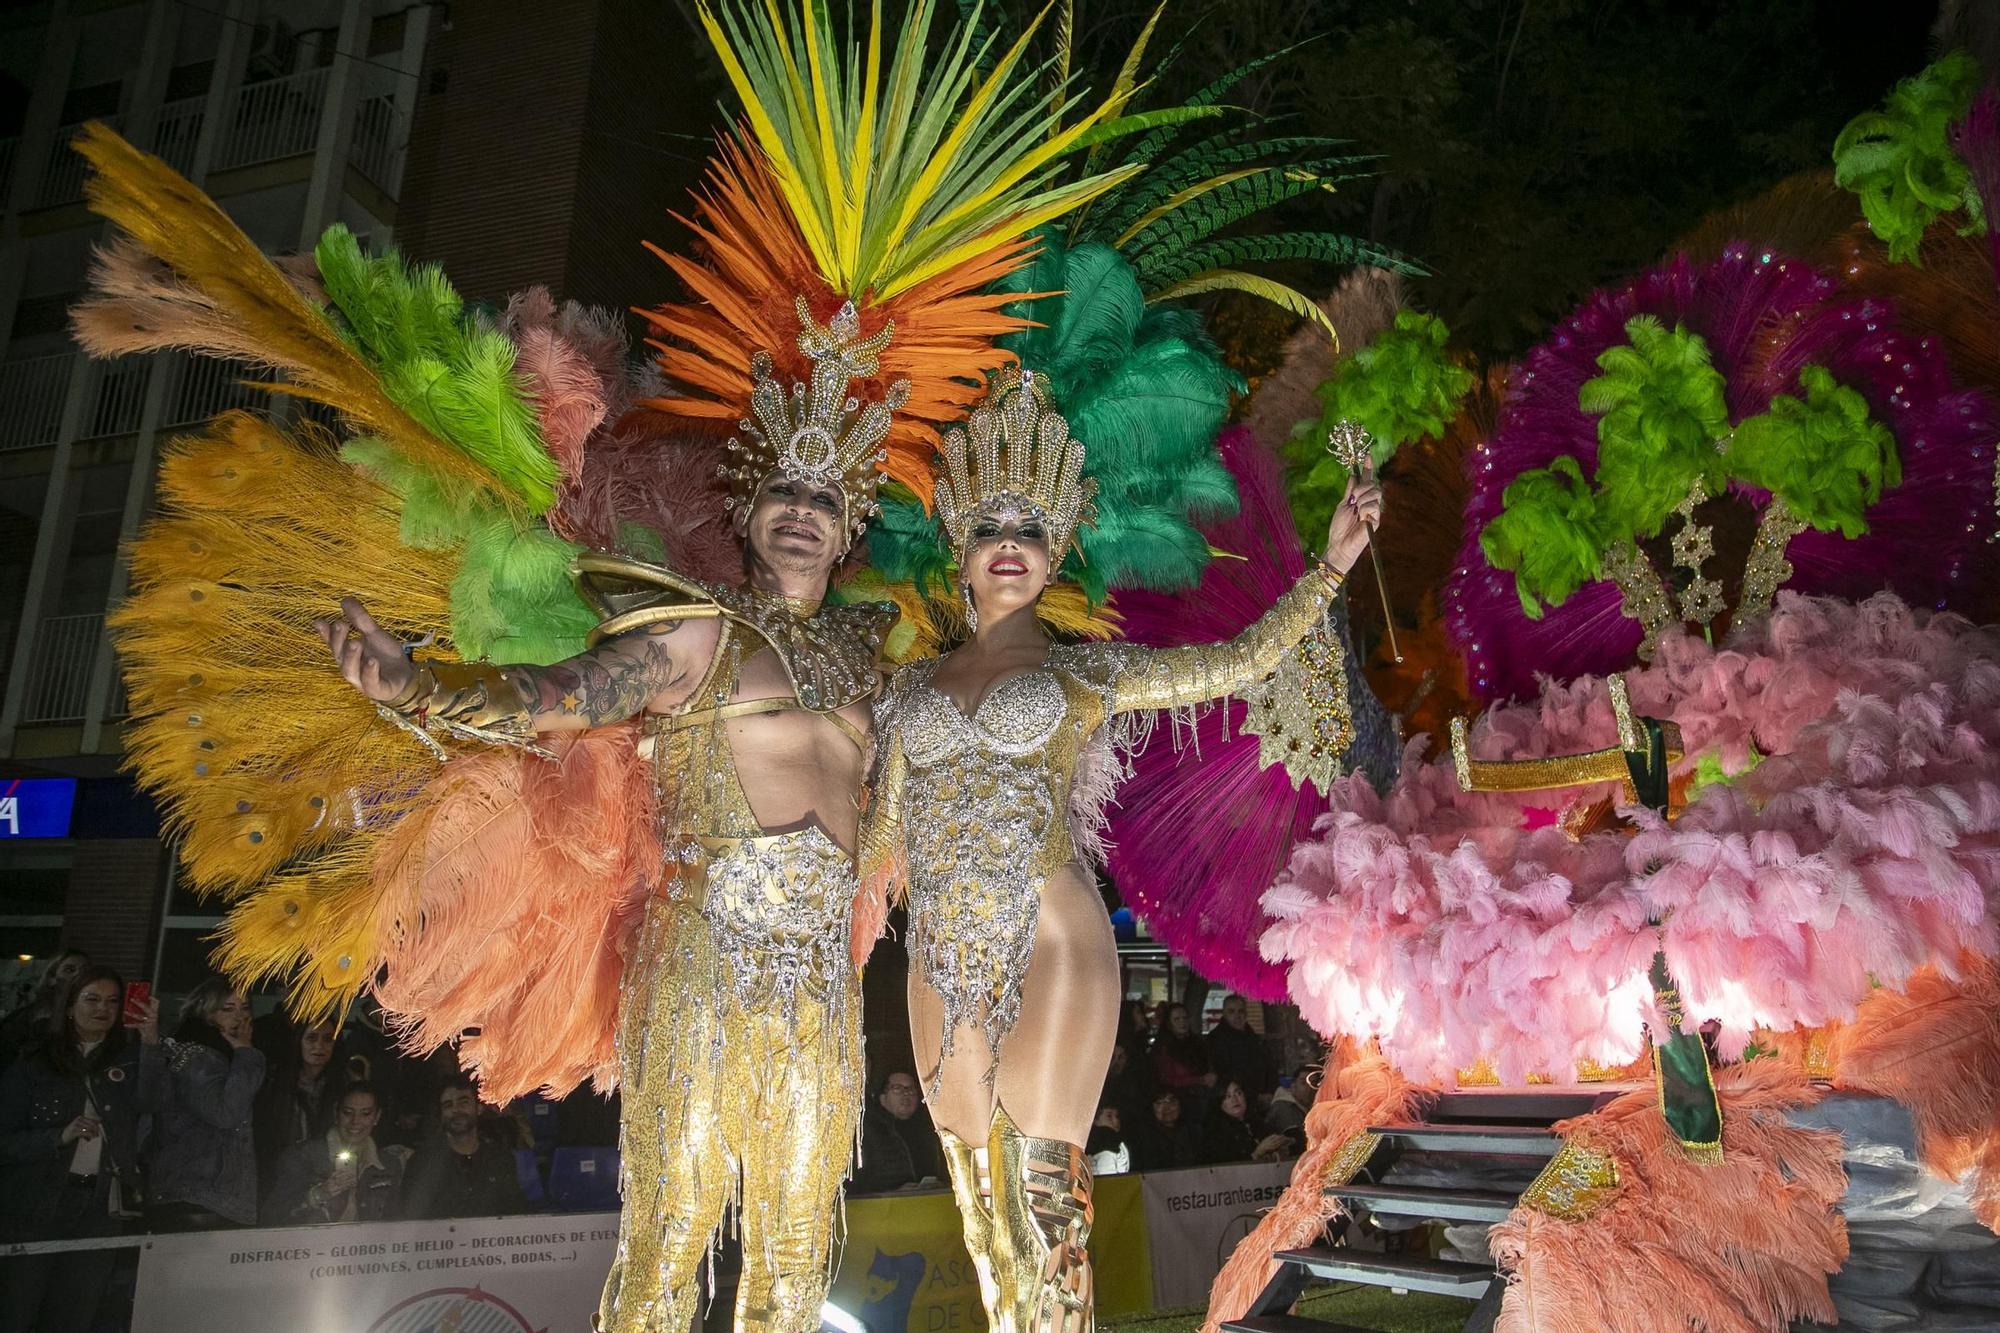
x,y
204,386
59,682
378,141
179,132
274,119
120,400
63,173
32,390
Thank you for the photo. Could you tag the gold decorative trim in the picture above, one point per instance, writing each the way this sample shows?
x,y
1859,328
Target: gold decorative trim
x,y
1574,1185
1351,1156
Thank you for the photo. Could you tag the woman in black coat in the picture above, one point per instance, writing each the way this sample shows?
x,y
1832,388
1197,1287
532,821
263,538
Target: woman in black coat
x,y
295,1104
72,1111
1228,1135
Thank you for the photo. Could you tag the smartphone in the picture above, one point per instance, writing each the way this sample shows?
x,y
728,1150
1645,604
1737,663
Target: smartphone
x,y
136,994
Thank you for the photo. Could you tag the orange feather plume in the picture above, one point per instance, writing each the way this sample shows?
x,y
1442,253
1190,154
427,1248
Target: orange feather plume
x,y
753,262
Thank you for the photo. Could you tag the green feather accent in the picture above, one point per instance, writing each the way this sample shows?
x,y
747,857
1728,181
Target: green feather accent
x,y
438,363
1823,455
1205,211
1206,159
1146,148
1140,121
907,545
1547,533
1661,411
1253,284
1146,391
512,599
1319,247
1400,388
1901,162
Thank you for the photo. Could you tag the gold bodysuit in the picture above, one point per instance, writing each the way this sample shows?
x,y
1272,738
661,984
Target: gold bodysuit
x,y
739,1042
985,808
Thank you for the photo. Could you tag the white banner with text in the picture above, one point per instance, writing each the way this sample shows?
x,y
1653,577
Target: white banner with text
x,y
474,1275
1195,1218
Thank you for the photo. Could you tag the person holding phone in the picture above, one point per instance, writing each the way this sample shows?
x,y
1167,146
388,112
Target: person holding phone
x,y
70,1117
340,1176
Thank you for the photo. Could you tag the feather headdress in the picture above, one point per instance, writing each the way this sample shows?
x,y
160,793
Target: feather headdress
x,y
903,193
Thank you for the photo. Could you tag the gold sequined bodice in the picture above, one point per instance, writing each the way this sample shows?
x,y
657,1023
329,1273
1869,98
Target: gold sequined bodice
x,y
981,804
779,905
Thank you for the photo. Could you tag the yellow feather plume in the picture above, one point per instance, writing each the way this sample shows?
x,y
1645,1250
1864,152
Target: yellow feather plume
x,y
276,775
186,276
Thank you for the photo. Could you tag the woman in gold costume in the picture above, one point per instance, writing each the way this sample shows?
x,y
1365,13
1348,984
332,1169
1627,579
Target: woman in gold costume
x,y
997,757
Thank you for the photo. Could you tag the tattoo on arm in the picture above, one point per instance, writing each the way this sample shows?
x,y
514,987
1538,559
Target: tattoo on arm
x,y
608,684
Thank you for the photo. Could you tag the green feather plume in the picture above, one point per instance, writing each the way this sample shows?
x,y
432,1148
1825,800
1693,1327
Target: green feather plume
x,y
1901,162
907,545
1146,391
1547,533
1190,182
1822,455
1400,388
512,599
436,362
1661,411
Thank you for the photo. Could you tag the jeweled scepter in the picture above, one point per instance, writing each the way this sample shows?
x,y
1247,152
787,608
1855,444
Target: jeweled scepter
x,y
1352,448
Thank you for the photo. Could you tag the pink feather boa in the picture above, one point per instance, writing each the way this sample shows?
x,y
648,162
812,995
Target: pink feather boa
x,y
1441,923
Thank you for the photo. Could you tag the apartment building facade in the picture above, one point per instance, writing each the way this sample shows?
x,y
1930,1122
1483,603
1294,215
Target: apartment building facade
x,y
515,141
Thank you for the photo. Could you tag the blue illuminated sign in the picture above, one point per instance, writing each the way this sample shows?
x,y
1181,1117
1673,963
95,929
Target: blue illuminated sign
x,y
36,807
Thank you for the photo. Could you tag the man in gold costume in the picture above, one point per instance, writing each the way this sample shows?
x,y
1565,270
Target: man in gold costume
x,y
739,1047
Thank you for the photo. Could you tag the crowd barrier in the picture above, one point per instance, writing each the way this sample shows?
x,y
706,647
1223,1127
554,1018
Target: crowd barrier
x,y
1158,1242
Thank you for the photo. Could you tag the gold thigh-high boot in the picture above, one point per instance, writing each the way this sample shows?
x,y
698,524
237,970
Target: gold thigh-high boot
x,y
972,1187
1041,1221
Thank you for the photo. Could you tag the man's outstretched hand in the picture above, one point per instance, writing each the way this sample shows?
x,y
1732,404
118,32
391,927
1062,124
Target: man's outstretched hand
x,y
369,657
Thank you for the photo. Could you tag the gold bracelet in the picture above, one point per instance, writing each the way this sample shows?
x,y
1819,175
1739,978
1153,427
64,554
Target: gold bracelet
x,y
466,700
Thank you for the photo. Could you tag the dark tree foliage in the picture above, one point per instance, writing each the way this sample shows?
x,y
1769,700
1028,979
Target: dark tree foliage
x,y
1531,149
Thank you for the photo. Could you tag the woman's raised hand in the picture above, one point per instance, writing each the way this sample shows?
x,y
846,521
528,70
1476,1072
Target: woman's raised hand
x,y
369,657
1358,513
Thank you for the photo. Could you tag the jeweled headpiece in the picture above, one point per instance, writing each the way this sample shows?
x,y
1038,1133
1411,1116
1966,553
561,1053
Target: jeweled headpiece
x,y
1015,452
818,434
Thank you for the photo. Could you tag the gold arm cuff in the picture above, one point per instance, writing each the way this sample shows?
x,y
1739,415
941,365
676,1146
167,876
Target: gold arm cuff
x,y
468,700
1175,677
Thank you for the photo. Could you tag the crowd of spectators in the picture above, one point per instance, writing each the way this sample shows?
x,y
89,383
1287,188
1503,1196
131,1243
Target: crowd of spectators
x,y
1172,1098
108,1126
1180,1098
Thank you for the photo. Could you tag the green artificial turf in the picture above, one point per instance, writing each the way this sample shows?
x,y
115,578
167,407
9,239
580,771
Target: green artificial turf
x,y
1357,1307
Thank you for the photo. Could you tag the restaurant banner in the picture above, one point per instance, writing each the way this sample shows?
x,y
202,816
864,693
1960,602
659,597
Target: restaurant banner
x,y
1195,1218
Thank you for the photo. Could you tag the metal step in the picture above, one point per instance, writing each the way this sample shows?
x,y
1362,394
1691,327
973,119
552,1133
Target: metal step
x,y
1494,1140
1287,1323
1444,1277
1514,1104
1445,1205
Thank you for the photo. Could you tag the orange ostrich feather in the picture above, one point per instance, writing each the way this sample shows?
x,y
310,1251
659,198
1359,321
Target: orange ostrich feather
x,y
754,261
1740,1247
1366,1091
1934,1047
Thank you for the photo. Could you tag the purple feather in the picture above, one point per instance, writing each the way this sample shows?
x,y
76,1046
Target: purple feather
x,y
1200,830
1977,139
1764,315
